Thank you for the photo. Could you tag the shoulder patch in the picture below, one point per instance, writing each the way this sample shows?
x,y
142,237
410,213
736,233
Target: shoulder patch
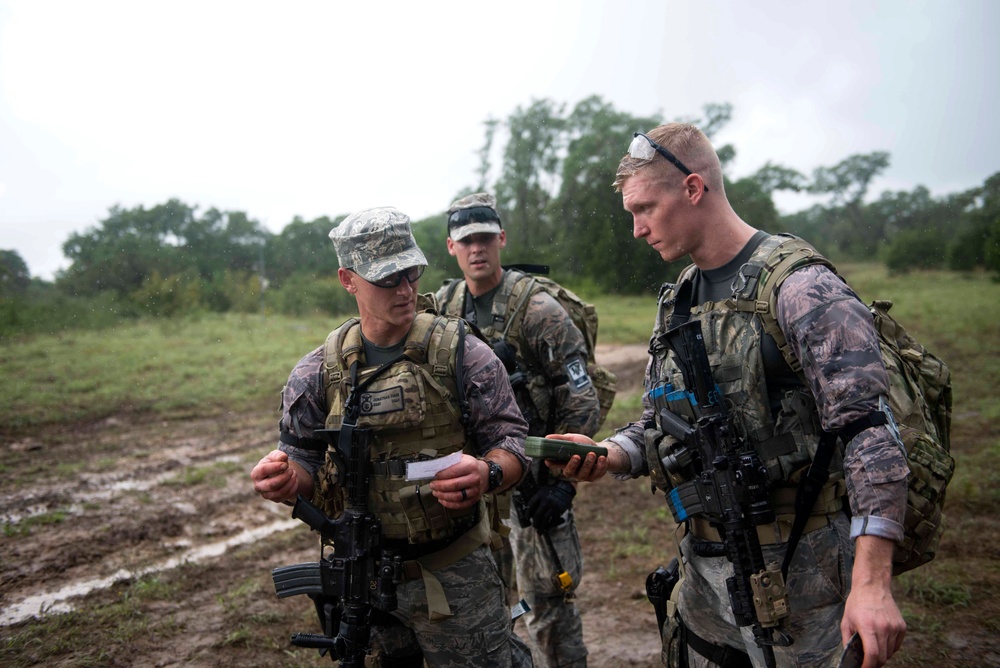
x,y
576,371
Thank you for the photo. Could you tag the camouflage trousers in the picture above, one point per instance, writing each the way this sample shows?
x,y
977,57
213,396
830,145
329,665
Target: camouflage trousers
x,y
554,627
819,579
478,634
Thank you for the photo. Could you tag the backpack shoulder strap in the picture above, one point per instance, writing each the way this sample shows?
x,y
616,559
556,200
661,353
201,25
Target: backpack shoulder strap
x,y
761,278
439,342
342,347
453,287
512,297
427,344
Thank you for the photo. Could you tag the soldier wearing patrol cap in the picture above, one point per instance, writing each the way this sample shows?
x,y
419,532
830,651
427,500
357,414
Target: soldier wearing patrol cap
x,y
547,359
452,609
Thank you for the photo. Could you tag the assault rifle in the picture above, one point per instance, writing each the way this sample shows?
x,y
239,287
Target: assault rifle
x,y
359,576
729,488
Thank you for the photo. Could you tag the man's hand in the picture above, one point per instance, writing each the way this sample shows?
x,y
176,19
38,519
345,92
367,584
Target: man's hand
x,y
870,609
584,469
461,485
275,478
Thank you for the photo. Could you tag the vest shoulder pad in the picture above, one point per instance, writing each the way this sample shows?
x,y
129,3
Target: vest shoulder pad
x,y
451,296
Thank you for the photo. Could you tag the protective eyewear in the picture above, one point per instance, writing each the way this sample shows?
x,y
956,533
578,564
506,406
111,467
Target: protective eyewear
x,y
393,280
645,150
476,214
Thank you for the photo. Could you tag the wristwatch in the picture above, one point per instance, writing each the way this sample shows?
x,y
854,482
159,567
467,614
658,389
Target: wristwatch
x,y
496,475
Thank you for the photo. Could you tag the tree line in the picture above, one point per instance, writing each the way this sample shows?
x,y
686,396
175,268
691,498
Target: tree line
x,y
553,190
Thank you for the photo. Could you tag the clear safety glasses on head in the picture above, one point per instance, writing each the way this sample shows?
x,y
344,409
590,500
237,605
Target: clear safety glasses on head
x,y
393,280
644,148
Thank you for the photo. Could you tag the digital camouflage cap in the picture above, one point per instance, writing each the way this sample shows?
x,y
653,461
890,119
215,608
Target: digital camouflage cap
x,y
376,242
472,214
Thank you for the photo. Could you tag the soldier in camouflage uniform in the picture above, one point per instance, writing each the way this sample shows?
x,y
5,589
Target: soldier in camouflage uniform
x,y
548,362
469,625
839,579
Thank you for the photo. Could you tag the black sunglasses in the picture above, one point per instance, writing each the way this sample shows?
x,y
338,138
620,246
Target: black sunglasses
x,y
393,280
476,214
644,150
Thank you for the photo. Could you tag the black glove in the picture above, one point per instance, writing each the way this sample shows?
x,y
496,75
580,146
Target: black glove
x,y
549,503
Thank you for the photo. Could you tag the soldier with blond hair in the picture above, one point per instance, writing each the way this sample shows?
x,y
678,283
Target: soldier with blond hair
x,y
838,579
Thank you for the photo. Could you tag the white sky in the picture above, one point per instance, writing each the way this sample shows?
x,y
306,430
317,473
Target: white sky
x,y
321,108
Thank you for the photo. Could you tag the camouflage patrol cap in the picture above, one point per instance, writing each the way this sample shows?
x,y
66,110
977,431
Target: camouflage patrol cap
x,y
472,214
376,242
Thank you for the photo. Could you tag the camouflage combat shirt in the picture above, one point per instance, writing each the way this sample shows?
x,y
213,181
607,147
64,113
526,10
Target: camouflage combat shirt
x,y
831,332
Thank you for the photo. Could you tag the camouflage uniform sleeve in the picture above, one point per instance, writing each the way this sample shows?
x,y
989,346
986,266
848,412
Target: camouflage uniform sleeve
x,y
831,332
560,349
630,437
303,408
496,419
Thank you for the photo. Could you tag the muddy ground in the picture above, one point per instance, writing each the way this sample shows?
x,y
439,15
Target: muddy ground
x,y
138,511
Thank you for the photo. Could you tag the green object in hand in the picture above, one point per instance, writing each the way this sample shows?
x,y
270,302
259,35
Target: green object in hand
x,y
559,451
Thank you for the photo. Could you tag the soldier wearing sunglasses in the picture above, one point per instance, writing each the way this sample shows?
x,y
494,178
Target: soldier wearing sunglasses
x,y
415,367
838,579
547,360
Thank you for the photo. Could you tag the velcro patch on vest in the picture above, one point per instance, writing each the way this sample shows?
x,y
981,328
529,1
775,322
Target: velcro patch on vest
x,y
576,371
395,400
388,400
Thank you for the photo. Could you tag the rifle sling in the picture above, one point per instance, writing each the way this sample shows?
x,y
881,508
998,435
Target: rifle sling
x,y
719,656
817,475
464,413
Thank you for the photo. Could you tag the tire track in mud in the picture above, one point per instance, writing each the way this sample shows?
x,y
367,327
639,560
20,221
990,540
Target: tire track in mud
x,y
82,519
58,601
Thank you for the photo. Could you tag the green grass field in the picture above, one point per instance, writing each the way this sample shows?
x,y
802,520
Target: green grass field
x,y
234,362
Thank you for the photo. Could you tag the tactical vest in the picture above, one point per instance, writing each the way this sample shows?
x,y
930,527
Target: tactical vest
x,y
733,329
413,411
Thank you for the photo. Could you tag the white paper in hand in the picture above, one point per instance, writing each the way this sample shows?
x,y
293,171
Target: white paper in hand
x,y
428,468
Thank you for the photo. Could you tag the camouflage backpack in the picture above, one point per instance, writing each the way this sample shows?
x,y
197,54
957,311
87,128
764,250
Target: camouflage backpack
x,y
919,396
583,314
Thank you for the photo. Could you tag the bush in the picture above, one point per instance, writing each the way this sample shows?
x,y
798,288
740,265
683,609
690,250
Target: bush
x,y
43,309
167,296
302,295
914,249
238,291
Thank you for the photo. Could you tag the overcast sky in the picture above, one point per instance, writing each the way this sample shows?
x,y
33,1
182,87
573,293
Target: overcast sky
x,y
321,108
